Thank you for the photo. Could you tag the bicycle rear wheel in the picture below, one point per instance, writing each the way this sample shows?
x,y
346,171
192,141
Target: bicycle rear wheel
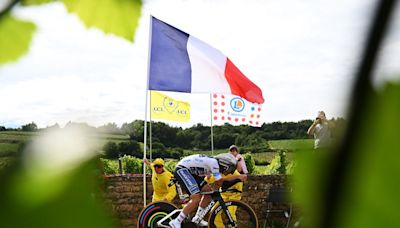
x,y
154,212
242,213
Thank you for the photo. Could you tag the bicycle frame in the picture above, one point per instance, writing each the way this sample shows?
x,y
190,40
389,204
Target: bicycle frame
x,y
215,197
159,223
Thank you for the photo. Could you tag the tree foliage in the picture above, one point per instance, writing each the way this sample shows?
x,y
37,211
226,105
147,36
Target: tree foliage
x,y
30,127
119,18
198,137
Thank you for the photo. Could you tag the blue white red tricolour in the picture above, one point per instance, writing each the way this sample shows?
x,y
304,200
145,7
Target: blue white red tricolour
x,y
182,63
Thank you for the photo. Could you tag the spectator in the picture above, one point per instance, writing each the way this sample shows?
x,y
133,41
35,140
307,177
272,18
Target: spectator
x,y
160,179
320,128
242,168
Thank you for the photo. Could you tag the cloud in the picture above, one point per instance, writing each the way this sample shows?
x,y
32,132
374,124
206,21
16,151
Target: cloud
x,y
302,54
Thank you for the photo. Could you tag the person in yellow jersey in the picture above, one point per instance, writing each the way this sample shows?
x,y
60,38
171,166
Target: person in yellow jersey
x,y
160,179
228,195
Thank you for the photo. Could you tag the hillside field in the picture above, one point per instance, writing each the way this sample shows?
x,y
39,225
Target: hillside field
x,y
11,141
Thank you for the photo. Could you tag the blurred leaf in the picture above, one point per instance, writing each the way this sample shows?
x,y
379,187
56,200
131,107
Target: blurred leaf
x,y
372,182
118,17
35,2
73,199
371,194
15,38
308,184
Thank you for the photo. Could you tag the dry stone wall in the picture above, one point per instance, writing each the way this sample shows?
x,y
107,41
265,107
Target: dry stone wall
x,y
124,193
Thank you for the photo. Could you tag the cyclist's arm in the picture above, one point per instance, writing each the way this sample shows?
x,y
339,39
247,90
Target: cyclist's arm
x,y
229,178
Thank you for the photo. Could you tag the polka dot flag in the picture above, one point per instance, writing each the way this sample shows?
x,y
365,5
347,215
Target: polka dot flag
x,y
235,110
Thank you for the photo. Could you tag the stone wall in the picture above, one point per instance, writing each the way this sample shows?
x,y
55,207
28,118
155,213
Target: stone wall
x,y
125,194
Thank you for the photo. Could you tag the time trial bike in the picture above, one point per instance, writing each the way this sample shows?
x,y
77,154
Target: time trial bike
x,y
221,214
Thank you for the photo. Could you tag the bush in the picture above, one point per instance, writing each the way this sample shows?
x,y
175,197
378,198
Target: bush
x,y
176,153
283,163
170,166
160,151
290,168
256,148
132,165
109,166
130,148
272,168
262,162
111,150
250,163
278,164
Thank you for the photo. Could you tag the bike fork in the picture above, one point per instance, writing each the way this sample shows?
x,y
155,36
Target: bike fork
x,y
232,222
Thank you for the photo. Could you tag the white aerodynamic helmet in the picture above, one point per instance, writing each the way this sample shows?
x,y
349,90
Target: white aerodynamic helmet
x,y
227,162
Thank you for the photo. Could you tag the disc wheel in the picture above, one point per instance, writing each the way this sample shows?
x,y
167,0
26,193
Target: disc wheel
x,y
153,213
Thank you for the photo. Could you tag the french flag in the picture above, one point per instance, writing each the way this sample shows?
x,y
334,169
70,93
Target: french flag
x,y
182,63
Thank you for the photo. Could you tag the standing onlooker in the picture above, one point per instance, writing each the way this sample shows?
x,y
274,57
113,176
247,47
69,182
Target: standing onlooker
x,y
242,168
321,130
160,179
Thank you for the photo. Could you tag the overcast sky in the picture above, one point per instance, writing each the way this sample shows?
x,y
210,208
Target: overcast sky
x,y
301,53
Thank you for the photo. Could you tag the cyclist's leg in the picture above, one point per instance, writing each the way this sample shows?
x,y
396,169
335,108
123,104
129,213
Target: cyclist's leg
x,y
205,200
190,185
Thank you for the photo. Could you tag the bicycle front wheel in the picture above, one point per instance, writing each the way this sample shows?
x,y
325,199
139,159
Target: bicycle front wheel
x,y
243,215
153,213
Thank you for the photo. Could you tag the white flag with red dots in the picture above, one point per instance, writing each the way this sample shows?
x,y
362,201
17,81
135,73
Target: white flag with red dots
x,y
235,110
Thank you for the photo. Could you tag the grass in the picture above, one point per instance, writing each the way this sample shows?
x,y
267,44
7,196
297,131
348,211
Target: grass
x,y
11,140
207,152
292,144
16,136
8,148
6,161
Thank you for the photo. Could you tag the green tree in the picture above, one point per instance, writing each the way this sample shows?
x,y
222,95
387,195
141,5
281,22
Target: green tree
x,y
159,150
130,148
111,128
111,150
138,130
223,140
30,127
164,133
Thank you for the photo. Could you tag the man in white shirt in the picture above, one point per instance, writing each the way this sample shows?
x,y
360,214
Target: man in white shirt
x,y
321,130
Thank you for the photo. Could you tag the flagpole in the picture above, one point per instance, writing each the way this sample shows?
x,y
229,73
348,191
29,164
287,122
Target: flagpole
x,y
145,116
212,135
144,153
150,141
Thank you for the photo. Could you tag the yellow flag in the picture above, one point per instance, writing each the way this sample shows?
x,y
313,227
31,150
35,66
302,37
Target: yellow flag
x,y
166,108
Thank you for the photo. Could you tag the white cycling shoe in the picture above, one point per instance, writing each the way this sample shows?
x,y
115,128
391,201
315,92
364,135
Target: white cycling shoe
x,y
174,224
201,223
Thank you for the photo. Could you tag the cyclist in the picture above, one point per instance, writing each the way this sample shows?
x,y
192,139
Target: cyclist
x,y
190,173
160,179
